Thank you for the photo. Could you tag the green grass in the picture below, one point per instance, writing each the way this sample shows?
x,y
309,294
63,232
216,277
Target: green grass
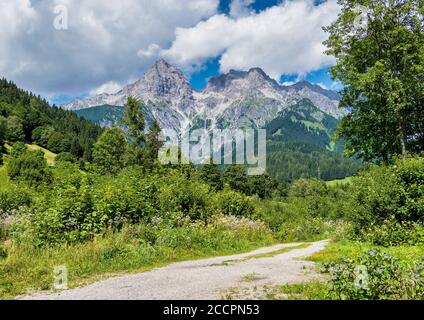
x,y
4,179
262,255
25,267
352,250
304,291
335,183
319,290
48,155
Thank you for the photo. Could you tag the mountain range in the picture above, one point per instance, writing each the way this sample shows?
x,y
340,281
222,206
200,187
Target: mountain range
x,y
238,99
300,119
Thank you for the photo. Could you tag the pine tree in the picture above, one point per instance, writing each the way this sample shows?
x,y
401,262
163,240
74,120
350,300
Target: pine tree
x,y
133,119
153,142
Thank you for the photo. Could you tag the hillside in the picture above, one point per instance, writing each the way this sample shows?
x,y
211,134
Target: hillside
x,y
26,117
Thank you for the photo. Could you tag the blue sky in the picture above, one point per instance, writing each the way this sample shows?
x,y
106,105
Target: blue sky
x,y
108,45
199,80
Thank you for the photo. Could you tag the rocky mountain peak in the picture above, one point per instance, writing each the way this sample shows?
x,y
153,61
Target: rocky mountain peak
x,y
254,78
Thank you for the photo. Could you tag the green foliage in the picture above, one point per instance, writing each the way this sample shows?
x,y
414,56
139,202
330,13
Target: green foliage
x,y
42,135
29,167
13,199
29,117
235,204
133,119
235,176
66,157
376,276
387,197
14,129
153,143
190,197
288,162
109,151
381,67
2,137
212,175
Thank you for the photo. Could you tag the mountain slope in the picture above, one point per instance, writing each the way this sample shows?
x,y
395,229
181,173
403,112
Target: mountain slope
x,y
31,119
237,99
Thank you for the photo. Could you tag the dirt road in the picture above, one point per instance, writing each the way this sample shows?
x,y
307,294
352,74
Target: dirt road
x,y
203,279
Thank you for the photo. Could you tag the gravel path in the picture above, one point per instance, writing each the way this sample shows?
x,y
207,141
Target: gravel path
x,y
201,279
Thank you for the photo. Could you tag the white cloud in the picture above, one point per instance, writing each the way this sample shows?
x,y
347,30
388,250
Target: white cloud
x,y
108,87
241,8
284,39
104,42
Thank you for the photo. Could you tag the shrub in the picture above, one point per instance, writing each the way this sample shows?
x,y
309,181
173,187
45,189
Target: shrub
x,y
387,197
30,167
375,276
66,157
235,204
393,233
13,198
190,197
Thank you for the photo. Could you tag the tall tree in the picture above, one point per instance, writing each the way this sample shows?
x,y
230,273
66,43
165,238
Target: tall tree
x,y
133,119
109,151
380,62
153,142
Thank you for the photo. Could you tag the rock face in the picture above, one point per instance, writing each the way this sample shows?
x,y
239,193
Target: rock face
x,y
234,100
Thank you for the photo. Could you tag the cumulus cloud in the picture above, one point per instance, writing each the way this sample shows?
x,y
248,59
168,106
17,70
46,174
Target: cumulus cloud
x,y
106,40
108,87
241,8
284,39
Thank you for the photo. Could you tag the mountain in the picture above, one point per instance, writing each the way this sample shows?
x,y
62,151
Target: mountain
x,y
234,100
300,119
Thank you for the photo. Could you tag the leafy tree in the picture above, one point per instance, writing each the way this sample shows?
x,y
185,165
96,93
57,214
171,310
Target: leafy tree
x,y
235,176
30,167
109,151
41,135
263,186
15,129
381,66
59,142
66,157
18,149
211,174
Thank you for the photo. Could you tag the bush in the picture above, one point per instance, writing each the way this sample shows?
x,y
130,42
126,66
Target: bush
x,y
190,197
235,204
30,167
375,276
13,198
66,157
393,233
387,197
